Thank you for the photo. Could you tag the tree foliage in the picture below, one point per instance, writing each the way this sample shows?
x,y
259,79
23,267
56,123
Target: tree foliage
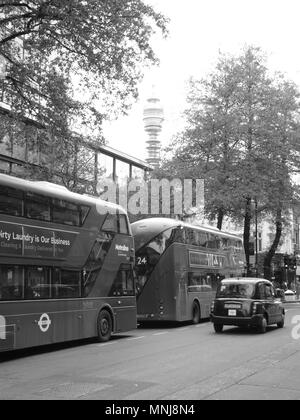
x,y
100,46
242,137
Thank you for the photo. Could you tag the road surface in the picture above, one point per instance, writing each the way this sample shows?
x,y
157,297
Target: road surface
x,y
189,362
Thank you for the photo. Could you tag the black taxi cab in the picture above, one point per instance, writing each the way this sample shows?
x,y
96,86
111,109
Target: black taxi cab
x,y
246,302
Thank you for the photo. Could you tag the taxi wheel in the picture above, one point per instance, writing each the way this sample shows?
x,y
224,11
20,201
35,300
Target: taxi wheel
x,y
281,323
218,328
262,328
104,326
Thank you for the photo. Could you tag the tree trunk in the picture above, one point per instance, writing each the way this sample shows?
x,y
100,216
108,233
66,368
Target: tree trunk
x,y
220,218
247,226
268,258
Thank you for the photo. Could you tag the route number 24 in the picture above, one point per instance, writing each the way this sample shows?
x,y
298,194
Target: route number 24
x,y
141,261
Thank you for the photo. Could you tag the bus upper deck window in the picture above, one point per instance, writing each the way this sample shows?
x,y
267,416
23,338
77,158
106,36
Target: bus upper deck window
x,y
84,211
65,212
37,207
123,225
11,201
110,223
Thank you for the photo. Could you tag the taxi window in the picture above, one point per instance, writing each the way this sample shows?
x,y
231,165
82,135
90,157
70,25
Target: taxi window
x,y
261,291
234,289
269,292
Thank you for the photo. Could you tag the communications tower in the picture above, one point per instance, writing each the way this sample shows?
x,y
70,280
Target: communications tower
x,y
153,119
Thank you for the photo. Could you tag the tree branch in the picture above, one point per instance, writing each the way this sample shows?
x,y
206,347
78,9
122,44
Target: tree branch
x,y
14,3
15,35
14,17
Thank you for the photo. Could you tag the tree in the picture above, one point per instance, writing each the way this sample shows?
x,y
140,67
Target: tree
x,y
72,63
284,154
241,128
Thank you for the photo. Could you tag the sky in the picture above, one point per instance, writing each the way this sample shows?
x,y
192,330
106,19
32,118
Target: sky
x,y
198,31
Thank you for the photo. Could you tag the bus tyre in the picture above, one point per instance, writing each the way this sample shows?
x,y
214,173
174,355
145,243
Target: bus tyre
x,y
196,313
262,328
218,328
104,326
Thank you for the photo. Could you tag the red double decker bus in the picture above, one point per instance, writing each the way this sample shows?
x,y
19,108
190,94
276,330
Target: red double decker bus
x,y
178,267
66,266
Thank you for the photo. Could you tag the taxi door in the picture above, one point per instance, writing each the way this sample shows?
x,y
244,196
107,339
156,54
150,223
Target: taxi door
x,y
272,305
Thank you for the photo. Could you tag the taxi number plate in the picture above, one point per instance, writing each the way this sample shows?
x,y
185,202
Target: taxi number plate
x,y
232,312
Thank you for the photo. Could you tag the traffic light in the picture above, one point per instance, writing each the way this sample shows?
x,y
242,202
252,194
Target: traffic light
x,y
293,263
290,262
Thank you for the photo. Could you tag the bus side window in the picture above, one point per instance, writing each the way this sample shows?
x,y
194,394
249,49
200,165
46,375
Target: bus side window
x,y
66,284
11,201
65,213
37,207
37,283
123,225
190,238
84,211
178,235
203,239
224,244
110,223
11,285
212,241
199,282
123,284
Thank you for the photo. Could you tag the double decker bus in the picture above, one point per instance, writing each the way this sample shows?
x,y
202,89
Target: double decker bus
x,y
66,266
178,267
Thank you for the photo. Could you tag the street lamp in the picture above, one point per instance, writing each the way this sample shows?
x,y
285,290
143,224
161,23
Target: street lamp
x,y
256,239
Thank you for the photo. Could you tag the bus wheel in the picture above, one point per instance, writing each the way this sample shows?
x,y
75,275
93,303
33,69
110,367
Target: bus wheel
x,y
196,313
104,326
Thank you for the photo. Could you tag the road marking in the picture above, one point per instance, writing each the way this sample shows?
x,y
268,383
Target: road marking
x,y
106,344
136,338
161,333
